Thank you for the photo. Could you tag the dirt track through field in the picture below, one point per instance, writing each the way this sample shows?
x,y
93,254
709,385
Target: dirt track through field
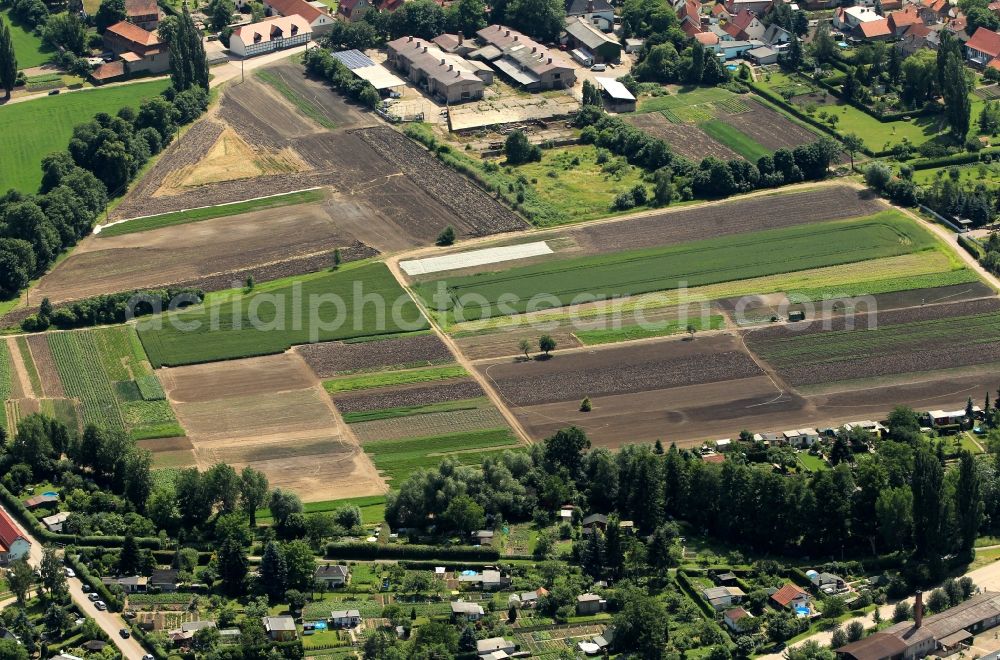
x,y
271,413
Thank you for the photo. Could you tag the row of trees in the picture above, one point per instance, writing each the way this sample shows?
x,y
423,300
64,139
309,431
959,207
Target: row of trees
x,y
320,63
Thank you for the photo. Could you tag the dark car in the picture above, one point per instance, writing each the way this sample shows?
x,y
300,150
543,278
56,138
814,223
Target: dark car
x,y
124,633
53,92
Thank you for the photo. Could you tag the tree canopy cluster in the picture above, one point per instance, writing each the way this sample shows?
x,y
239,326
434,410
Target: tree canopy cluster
x,y
319,62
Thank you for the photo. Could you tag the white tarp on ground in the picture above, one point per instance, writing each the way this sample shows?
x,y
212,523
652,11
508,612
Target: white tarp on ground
x,y
379,76
474,258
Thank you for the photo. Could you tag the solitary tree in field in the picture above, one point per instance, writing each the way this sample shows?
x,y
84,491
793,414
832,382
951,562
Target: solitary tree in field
x,y
249,283
547,344
8,61
337,259
525,347
585,405
852,145
446,237
691,330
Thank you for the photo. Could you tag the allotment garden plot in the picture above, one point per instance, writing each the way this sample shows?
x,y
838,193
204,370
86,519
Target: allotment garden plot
x,y
270,413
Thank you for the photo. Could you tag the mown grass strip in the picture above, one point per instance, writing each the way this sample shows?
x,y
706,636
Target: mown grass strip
x,y
354,301
390,378
409,411
601,277
735,139
398,459
6,376
635,332
372,508
207,213
304,105
888,285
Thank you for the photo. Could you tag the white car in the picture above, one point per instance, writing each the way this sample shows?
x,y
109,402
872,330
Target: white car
x,y
100,605
69,572
599,67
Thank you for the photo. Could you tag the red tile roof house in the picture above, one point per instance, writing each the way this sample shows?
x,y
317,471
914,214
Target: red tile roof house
x,y
319,20
14,543
875,30
790,596
144,13
748,24
140,49
900,21
983,47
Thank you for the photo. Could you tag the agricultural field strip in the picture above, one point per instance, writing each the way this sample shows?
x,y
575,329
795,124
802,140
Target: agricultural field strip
x,y
391,378
698,263
411,411
6,383
429,424
634,332
400,458
474,258
866,277
385,398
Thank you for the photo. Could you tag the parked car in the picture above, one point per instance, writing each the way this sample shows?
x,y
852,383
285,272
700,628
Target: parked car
x,y
124,633
93,597
100,605
599,67
69,571
53,92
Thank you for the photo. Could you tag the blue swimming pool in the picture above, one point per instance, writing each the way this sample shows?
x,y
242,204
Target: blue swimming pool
x,y
51,492
469,573
732,67
320,625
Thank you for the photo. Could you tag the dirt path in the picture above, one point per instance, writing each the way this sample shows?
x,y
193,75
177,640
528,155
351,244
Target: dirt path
x,y
24,382
464,362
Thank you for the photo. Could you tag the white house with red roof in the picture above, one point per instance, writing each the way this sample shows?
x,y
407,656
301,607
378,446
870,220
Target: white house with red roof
x,y
983,47
319,19
270,35
14,543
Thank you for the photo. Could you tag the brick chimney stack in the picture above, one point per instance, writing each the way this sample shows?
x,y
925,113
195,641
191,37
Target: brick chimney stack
x,y
918,609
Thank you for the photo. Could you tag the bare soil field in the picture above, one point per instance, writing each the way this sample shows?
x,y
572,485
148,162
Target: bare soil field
x,y
769,128
48,374
505,342
686,139
408,395
620,370
335,357
429,424
273,414
230,247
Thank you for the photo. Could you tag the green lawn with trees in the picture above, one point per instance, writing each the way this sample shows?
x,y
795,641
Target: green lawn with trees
x,y
28,46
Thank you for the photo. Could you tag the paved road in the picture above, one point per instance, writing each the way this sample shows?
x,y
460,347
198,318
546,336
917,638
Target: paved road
x,y
111,623
987,578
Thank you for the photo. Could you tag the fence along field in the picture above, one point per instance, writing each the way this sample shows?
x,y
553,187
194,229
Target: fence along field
x,y
107,372
698,263
232,335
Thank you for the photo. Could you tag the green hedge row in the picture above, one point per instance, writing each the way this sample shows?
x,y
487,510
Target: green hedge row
x,y
971,246
963,158
685,583
798,576
365,551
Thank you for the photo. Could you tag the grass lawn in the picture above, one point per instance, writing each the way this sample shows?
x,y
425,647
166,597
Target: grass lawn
x,y
303,104
372,508
35,128
984,557
361,299
733,138
28,48
812,463
398,459
988,173
683,97
389,378
697,263
970,445
207,213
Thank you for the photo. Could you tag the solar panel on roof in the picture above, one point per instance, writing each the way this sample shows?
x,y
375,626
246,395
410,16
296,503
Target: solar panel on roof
x,y
354,59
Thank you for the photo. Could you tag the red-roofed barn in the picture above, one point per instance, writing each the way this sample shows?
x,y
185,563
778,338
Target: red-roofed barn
x,y
982,47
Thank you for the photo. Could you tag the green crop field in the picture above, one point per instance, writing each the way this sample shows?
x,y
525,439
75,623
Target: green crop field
x,y
684,102
361,299
733,138
409,411
28,48
634,332
398,459
698,263
389,378
207,213
103,369
834,346
38,127
5,383
887,285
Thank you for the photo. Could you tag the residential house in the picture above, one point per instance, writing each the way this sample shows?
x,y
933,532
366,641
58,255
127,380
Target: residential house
x,y
598,45
471,611
494,644
950,417
588,603
164,579
723,597
54,523
598,13
182,636
280,628
689,16
144,13
940,634
525,61
776,36
38,501
900,21
140,50
762,55
353,10
790,597
332,575
828,583
735,618
735,49
345,618
269,35
318,19
529,599
980,50
848,18
719,13
759,7
488,580
745,26
596,520
875,30
444,75
130,584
